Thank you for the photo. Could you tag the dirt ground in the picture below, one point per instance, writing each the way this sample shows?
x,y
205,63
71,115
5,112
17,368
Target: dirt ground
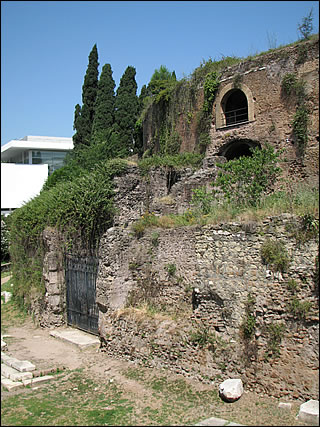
x,y
29,342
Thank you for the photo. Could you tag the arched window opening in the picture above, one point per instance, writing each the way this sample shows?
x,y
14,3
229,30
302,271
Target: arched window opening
x,y
239,148
236,108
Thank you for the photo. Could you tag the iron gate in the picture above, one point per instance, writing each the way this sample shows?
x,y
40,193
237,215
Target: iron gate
x,y
81,275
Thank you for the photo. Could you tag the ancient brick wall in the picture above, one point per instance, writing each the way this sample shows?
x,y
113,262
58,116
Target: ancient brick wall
x,y
270,113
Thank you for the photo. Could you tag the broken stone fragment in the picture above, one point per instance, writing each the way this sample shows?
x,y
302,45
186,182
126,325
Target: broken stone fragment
x,y
231,390
309,412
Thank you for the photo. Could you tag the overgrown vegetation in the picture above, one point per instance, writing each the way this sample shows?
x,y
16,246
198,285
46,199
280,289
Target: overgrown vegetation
x,y
5,256
175,161
299,309
81,209
77,199
275,334
306,229
248,325
293,87
246,180
275,255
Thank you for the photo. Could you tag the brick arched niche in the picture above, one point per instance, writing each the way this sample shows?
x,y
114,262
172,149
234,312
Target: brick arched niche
x,y
238,148
233,106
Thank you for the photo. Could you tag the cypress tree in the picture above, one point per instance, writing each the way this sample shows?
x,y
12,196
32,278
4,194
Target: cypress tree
x,y
84,117
105,105
126,110
77,126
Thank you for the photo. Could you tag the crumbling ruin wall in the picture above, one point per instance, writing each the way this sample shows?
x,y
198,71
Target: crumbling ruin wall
x,y
177,299
50,309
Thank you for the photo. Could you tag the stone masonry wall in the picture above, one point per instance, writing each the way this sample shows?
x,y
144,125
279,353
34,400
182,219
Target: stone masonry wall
x,y
51,309
188,317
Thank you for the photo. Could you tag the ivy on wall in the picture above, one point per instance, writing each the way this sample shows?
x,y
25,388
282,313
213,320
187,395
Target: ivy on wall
x,y
291,86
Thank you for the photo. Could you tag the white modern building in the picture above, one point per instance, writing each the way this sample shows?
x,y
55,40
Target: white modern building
x,y
26,164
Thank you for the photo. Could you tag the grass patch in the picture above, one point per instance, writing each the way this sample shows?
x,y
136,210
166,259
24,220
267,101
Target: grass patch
x,y
11,312
302,201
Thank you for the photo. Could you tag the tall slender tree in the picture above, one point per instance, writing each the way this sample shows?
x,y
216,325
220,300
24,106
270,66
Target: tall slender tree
x,y
126,110
84,117
104,106
77,126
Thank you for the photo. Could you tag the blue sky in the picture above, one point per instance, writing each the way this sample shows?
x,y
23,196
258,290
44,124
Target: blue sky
x,y
45,47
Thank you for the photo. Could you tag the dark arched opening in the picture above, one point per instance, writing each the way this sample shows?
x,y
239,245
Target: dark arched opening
x,y
238,148
236,107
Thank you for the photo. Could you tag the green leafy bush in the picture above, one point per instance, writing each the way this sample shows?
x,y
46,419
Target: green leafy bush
x,y
299,309
210,89
243,181
202,199
275,332
248,325
274,253
80,209
4,240
299,125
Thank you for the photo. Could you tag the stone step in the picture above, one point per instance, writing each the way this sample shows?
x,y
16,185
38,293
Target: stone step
x,y
213,421
9,384
13,374
37,380
19,365
76,337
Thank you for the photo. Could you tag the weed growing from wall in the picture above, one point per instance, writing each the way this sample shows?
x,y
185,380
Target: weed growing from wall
x,y
306,229
299,125
292,285
292,86
248,325
275,255
204,338
275,333
237,81
299,309
171,269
